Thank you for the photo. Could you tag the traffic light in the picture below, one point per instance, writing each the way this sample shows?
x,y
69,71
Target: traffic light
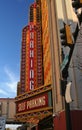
x,y
63,36
66,35
76,4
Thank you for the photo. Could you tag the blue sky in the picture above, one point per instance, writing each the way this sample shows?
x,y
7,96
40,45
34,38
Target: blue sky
x,y
13,17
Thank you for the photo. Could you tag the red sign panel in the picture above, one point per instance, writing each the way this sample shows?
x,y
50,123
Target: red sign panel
x,y
33,103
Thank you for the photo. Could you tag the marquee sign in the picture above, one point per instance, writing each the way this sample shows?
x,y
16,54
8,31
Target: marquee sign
x,y
36,102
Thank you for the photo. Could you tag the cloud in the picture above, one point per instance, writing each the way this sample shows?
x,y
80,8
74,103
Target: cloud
x,y
12,86
3,92
9,86
12,79
9,74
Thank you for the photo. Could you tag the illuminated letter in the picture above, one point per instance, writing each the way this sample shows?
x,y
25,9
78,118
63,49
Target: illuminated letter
x,y
31,73
31,53
31,85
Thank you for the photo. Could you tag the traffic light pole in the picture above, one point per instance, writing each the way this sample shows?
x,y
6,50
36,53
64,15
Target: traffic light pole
x,y
71,46
67,107
68,116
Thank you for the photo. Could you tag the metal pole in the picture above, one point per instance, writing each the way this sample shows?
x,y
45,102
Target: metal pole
x,y
67,106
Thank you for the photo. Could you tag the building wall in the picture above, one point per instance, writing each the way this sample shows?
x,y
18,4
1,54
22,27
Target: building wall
x,y
46,43
66,14
76,117
7,108
75,72
58,15
55,57
60,121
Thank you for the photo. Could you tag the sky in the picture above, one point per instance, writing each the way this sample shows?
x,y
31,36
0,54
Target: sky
x,y
14,16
